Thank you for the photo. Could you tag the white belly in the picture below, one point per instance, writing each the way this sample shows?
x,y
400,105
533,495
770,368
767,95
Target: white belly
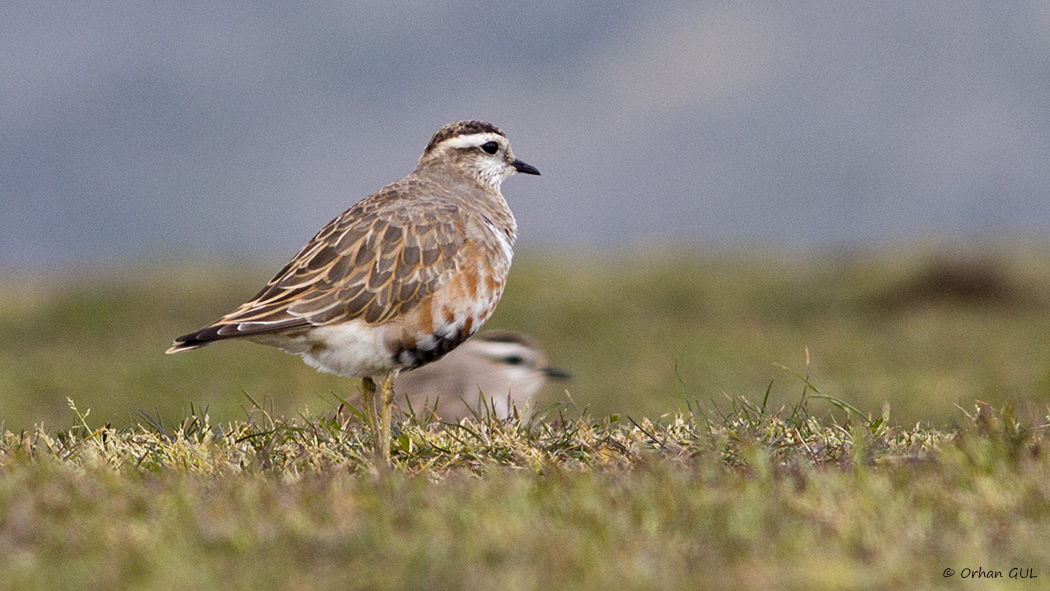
x,y
349,349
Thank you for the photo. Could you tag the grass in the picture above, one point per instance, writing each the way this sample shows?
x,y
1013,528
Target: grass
x,y
751,499
691,450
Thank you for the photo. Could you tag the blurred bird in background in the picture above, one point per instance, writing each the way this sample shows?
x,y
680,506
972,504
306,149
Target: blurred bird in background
x,y
494,373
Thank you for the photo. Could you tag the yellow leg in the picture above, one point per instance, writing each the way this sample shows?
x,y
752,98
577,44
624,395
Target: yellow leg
x,y
387,400
368,397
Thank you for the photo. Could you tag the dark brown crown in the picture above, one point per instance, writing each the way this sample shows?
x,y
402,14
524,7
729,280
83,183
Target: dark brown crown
x,y
461,128
507,336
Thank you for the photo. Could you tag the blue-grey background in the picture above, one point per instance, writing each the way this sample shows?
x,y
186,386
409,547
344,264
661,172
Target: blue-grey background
x,y
137,130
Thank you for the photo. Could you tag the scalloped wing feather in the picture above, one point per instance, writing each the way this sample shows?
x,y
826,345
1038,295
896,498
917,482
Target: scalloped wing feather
x,y
376,261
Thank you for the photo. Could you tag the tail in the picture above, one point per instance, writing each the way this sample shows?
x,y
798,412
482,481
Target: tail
x,y
222,330
185,343
199,338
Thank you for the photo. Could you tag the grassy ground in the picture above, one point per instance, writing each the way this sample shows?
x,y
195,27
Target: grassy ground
x,y
744,501
238,467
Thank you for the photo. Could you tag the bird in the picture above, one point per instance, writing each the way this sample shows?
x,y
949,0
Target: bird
x,y
399,279
496,371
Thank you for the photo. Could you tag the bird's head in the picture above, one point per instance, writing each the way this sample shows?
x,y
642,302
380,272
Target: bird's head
x,y
477,148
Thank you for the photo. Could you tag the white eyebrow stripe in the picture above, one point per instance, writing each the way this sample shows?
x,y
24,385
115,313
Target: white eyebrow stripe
x,y
474,139
500,351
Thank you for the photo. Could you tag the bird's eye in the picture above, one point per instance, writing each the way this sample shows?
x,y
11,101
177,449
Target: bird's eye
x,y
514,360
490,147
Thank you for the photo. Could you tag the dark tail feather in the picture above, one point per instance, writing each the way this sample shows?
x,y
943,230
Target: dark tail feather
x,y
197,339
221,332
189,342
179,347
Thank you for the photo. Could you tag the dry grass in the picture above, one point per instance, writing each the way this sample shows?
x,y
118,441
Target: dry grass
x,y
712,490
750,499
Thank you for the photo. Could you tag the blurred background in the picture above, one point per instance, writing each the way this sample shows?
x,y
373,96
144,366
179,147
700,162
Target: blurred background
x,y
724,185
